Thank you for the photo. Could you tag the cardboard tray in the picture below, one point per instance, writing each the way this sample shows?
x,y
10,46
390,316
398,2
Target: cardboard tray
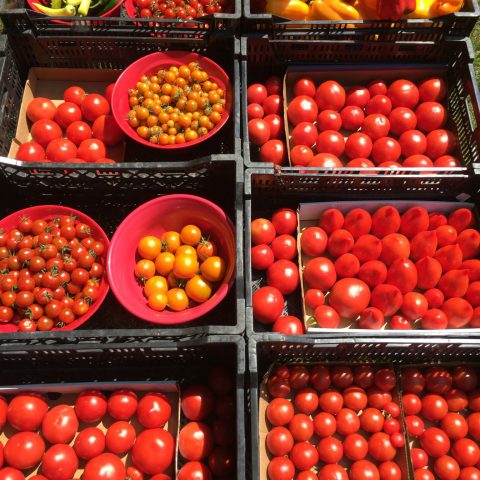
x,y
308,215
51,83
66,394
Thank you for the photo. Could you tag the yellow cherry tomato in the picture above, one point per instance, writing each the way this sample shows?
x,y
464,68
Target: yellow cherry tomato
x,y
198,289
164,263
177,299
206,249
149,247
190,235
186,250
170,241
155,284
213,269
185,266
158,301
144,269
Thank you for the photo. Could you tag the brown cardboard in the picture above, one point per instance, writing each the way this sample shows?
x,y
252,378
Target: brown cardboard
x,y
66,394
264,426
51,83
308,215
349,76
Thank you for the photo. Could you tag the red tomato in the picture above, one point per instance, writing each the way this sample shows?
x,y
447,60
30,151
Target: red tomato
x,y
104,467
288,325
386,149
324,424
358,222
440,142
26,412
377,87
423,474
284,221
357,96
279,468
273,151
30,152
195,441
301,427
378,398
263,231
331,220
473,421
371,318
465,378
466,452
347,265
222,461
330,95
90,406
434,407
429,273
431,116
373,273
267,304
61,150
320,273
60,463
376,126
432,90
300,155
352,118
342,377
154,448
283,275
435,442
261,257
401,120
273,104
412,142
89,443
197,402
461,219
40,108
340,242
330,141
389,471
79,131
329,120
325,160
355,398
306,400
411,403
9,473
24,450
299,377
380,447
355,447
94,106
74,95
120,437
277,129
330,450
258,131
44,131
106,129
279,411
347,422
349,297
304,455
284,247
457,400
256,93
92,150
446,468
154,410
122,404
419,458
302,109
403,93
60,424
379,104
469,473
305,133
255,110
446,161
414,305
108,92
279,441
415,425
313,241
67,113
386,220
458,312
304,86
326,317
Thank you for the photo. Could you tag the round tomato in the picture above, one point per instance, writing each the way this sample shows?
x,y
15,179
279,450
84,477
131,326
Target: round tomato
x,y
261,257
74,94
301,427
94,106
446,468
195,441
349,297
67,113
466,452
465,378
60,462
279,411
256,93
435,442
268,304
120,437
402,120
330,450
313,241
92,150
324,424
89,443
329,120
40,108
306,400
154,410
288,325
412,142
122,404
197,402
279,468
305,133
262,231
255,110
79,131
440,142
61,150
330,95
153,450
358,145
104,467
380,447
90,406
304,456
273,151
285,247
26,412
60,424
30,152
302,109
376,126
377,87
347,422
320,273
431,116
432,90
352,118
279,441
469,473
403,93
258,131
9,473
379,104
355,447
283,275
357,96
304,86
332,472
277,129
273,105
106,129
24,450
44,131
330,141
284,221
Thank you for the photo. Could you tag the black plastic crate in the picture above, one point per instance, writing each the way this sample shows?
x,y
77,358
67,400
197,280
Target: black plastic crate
x,y
263,350
18,18
143,165
421,29
222,183
184,361
267,190
451,60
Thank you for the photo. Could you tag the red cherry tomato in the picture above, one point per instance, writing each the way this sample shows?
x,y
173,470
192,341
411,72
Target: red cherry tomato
x,y
355,447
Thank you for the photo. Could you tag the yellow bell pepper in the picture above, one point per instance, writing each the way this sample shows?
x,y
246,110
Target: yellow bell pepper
x,y
291,9
332,10
444,7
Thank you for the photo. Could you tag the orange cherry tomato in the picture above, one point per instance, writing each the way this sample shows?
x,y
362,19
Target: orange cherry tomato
x,y
190,235
213,269
170,241
149,247
177,299
198,289
157,301
164,263
155,284
185,266
144,269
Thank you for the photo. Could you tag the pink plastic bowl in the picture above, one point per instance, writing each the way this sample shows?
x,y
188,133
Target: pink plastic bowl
x,y
171,212
152,63
48,212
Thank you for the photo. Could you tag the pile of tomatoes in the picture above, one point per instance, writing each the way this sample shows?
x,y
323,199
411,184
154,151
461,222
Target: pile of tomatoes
x,y
333,423
92,435
181,9
178,268
442,418
51,271
207,440
265,120
78,130
176,105
392,126
274,250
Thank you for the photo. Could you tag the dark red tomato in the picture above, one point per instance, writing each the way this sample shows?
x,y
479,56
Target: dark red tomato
x,y
89,443
222,461
435,442
347,265
154,448
61,150
288,325
268,304
320,378
67,113
279,412
90,406
108,96
106,129
352,118
26,412
122,404
330,141
412,142
274,85
154,410
255,110
196,402
60,462
24,450
330,95
419,458
340,242
403,93
358,145
256,93
357,96
279,468
9,473
313,241
402,120
60,424
305,133
302,109
347,422
92,150
377,87
355,447
330,450
74,94
273,151
465,378
389,471
301,427
431,116
304,455
332,472
120,437
30,152
104,467
381,448
40,108
446,468
304,86
440,142
94,106
432,90
279,441
379,104
385,379
275,123
456,400
273,105
193,471
438,380
299,377
263,231
329,120
376,126
349,297
342,376
363,376
44,131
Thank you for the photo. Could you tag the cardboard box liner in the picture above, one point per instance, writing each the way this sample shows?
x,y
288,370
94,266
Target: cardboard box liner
x,y
349,77
264,426
66,395
308,215
51,83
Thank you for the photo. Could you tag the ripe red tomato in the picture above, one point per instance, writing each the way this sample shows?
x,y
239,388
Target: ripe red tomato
x,y
120,437
456,400
372,420
304,133
434,407
438,380
222,461
411,403
347,265
446,161
9,473
304,86
324,424
352,118
44,131
60,424
94,106
355,447
320,273
61,150
440,142
302,109
255,110
329,120
26,412
106,129
300,155
412,142
419,458
273,151
330,401
466,452
109,92
458,312
256,93
284,276
263,231
67,113
261,257
446,468
349,297
326,317
273,105
313,241
104,467
325,160
378,398
284,247
197,402
377,87
347,422
415,425
279,411
74,94
279,441
40,108
122,404
330,95
403,93
306,400
288,325
386,149
355,398
380,447
465,378
279,468
284,221
154,448
89,443
90,406
376,126
357,96
30,152
24,450
378,104
401,120
469,473
330,450
304,456
330,141
432,90
91,150
154,410
60,463
195,441
275,122
332,471
301,427
431,116
435,442
371,318
267,304
79,131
